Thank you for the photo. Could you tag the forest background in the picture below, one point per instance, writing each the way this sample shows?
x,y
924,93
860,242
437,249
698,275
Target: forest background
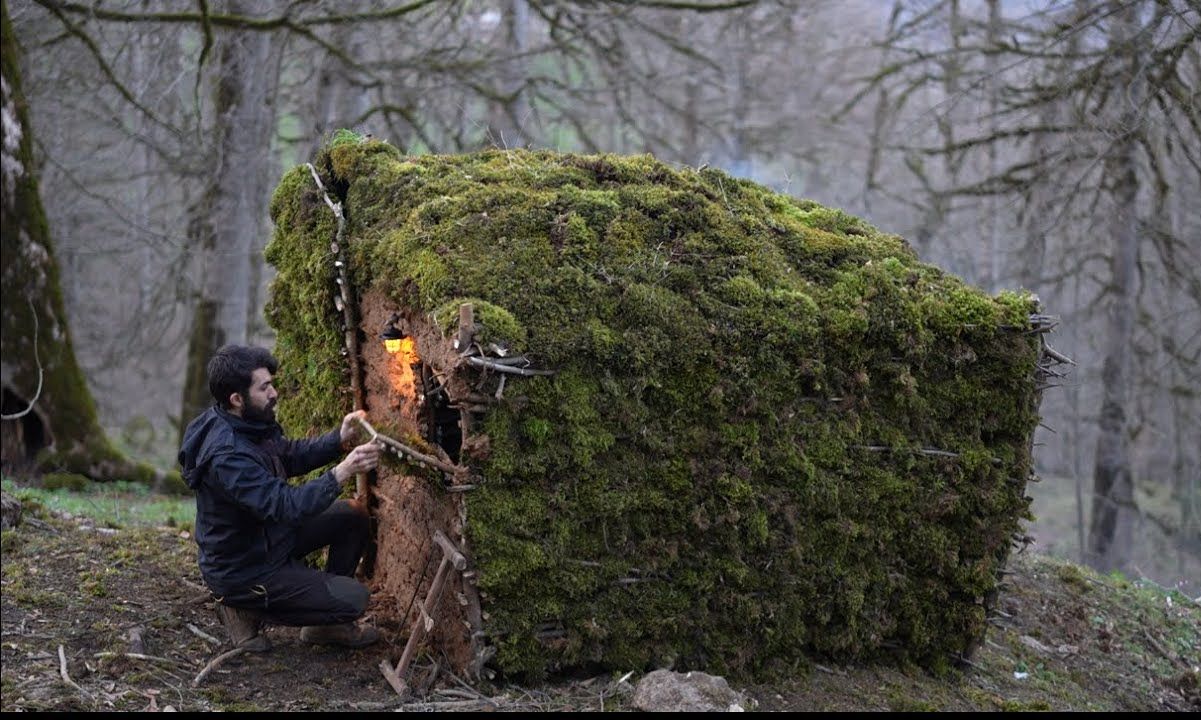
x,y
1051,145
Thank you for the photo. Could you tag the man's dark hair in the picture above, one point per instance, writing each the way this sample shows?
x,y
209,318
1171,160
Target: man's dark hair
x,y
231,367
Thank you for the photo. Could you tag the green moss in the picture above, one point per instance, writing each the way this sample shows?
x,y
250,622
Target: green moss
x,y
342,136
493,324
1073,576
900,701
1024,706
93,583
65,481
11,540
732,465
223,700
173,483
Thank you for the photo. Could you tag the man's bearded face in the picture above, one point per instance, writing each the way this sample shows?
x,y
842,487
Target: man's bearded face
x,y
259,402
264,413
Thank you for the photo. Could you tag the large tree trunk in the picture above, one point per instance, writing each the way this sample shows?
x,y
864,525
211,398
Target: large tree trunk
x,y
49,417
1114,510
230,219
1186,222
740,76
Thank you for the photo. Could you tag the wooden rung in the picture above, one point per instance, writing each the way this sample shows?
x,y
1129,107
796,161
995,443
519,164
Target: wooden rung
x,y
449,550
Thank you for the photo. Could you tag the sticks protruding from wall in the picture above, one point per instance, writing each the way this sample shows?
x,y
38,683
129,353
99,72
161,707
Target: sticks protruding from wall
x,y
343,303
412,453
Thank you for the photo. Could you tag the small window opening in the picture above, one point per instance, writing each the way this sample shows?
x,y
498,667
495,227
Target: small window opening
x,y
442,424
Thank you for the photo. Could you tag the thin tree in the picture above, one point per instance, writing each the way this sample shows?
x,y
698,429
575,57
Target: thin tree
x,y
229,220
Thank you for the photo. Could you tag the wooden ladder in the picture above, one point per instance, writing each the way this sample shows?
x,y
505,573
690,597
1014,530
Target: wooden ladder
x,y
424,622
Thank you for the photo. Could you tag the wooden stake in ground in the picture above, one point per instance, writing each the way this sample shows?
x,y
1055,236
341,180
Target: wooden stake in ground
x,y
466,328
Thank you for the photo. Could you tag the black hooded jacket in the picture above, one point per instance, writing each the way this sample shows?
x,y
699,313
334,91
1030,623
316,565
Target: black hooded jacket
x,y
246,511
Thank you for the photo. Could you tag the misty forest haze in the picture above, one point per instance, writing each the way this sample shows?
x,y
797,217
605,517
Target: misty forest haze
x,y
1051,145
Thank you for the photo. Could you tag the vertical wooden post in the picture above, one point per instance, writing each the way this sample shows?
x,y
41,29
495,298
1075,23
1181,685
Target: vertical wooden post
x,y
466,326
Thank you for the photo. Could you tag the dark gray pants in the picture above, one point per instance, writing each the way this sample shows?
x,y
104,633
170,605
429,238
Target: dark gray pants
x,y
300,595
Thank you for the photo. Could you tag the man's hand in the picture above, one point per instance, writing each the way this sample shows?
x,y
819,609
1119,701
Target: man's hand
x,y
350,424
363,458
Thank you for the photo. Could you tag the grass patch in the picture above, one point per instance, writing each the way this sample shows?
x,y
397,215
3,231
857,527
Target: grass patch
x,y
113,504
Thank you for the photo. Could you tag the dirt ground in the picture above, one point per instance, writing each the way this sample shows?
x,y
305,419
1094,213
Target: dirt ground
x,y
75,598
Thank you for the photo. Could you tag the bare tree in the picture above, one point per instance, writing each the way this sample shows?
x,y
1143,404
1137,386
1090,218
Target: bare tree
x,y
1086,124
1114,511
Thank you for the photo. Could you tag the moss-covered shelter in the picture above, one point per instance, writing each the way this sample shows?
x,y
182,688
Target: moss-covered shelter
x,y
692,422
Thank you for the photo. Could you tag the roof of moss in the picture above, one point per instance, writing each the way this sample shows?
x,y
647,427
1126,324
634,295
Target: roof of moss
x,y
771,431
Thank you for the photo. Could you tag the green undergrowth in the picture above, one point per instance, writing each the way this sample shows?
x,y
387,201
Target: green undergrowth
x,y
117,504
772,433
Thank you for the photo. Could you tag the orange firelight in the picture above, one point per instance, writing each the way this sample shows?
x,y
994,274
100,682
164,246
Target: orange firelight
x,y
400,371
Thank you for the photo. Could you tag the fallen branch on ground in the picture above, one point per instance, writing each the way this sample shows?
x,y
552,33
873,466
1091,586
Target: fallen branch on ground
x,y
214,663
202,634
140,656
62,671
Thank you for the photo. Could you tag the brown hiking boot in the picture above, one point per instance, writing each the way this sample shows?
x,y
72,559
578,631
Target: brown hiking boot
x,y
349,635
243,626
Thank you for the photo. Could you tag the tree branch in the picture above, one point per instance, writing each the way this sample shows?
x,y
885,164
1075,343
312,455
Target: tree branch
x,y
104,66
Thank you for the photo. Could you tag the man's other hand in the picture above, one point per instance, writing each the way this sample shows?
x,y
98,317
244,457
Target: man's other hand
x,y
363,458
350,424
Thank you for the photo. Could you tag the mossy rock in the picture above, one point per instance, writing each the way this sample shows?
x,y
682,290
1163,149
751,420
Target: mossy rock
x,y
771,431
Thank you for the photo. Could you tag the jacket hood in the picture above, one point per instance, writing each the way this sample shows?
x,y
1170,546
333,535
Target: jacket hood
x,y
210,434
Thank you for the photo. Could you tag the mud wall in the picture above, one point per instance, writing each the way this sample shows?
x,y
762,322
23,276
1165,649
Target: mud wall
x,y
409,503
